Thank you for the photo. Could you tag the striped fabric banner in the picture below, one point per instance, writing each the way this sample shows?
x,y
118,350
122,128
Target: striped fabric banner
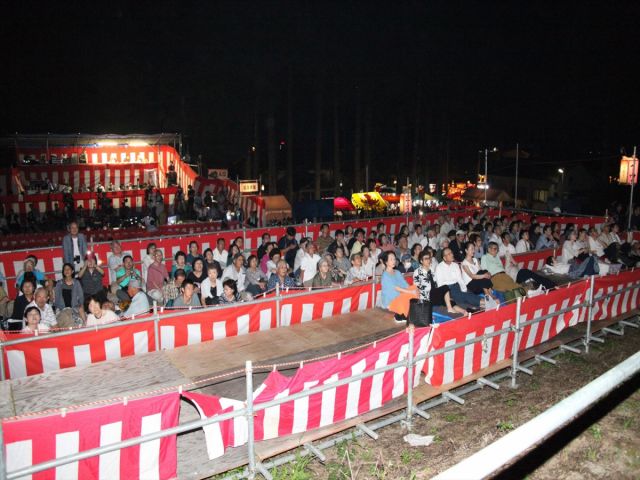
x,y
29,441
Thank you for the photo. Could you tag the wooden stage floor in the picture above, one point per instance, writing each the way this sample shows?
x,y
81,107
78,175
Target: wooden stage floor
x,y
184,365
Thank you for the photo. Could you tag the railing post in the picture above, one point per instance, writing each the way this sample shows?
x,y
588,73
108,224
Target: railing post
x,y
277,305
587,338
3,465
3,375
516,345
156,326
250,436
408,419
306,228
244,240
373,290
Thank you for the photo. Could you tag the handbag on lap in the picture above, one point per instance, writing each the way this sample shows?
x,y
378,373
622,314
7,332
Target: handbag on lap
x,y
420,312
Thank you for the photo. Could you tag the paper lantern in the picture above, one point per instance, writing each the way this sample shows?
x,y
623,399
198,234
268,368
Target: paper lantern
x,y
628,170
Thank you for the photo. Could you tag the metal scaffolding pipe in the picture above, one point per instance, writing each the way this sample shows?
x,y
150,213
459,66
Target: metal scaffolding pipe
x,y
515,444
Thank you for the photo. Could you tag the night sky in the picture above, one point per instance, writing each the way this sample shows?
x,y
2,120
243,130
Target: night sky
x,y
560,78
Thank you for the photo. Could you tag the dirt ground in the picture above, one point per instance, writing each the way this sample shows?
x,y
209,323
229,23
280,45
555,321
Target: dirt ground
x,y
603,443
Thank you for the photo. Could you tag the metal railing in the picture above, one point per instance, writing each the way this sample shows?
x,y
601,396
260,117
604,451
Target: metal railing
x,y
250,408
156,316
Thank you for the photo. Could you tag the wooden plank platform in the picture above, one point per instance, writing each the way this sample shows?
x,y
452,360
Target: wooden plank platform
x,y
154,370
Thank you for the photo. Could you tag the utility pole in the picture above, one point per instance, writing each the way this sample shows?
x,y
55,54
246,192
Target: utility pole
x,y
515,200
633,181
486,179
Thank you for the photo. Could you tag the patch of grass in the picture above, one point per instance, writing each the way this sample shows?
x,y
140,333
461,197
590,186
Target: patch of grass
x,y
510,402
573,358
596,431
228,473
591,454
454,417
409,456
504,426
627,423
534,385
296,470
535,409
436,436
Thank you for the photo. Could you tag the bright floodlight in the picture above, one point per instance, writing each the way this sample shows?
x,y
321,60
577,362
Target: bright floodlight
x,y
560,170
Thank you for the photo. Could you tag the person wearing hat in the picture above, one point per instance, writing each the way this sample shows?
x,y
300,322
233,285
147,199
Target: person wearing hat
x,y
30,270
139,300
457,246
90,276
74,246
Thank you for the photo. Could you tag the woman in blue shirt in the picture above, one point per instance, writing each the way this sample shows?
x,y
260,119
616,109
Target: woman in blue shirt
x,y
396,292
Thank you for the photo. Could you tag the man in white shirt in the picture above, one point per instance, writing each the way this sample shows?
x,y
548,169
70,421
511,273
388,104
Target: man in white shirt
x,y
235,271
115,260
595,245
47,317
417,236
220,255
431,240
446,226
309,264
448,273
506,247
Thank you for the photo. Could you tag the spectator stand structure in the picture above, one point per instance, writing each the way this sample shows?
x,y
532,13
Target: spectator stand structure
x,y
329,394
83,162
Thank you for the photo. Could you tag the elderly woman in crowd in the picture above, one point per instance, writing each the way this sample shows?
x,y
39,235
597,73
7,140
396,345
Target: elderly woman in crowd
x,y
198,273
255,279
28,289
211,287
281,277
341,263
97,315
230,292
180,263
322,278
68,294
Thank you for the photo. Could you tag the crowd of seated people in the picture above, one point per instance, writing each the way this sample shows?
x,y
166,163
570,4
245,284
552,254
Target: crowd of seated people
x,y
459,265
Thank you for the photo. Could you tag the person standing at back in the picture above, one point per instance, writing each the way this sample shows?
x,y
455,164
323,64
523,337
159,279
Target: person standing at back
x,y
74,246
288,246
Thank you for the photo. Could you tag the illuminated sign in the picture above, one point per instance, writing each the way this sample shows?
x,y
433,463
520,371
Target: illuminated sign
x,y
221,173
249,186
